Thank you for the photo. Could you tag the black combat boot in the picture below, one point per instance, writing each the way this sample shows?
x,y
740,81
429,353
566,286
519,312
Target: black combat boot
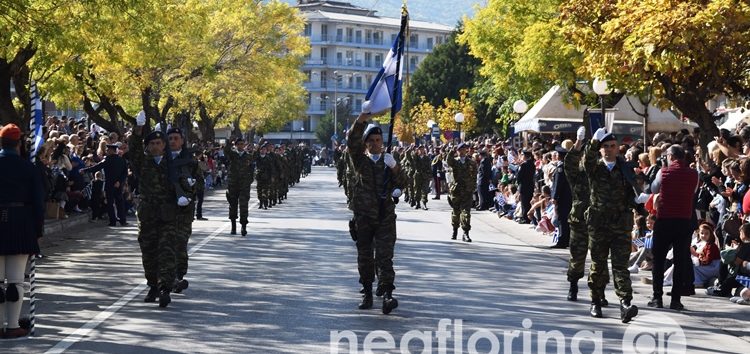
x,y
573,291
234,228
455,234
164,298
424,206
273,202
366,297
265,205
604,302
656,302
466,237
417,206
180,285
627,311
380,290
596,308
260,204
389,302
2,296
244,230
153,293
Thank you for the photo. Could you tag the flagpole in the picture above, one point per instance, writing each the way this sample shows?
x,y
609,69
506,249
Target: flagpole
x,y
396,82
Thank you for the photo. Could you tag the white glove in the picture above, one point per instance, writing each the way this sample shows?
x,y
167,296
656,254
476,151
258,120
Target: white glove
x,y
396,193
642,198
581,133
366,107
600,134
182,201
140,119
191,181
389,160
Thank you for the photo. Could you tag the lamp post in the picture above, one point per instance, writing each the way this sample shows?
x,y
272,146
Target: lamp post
x,y
601,88
520,107
459,118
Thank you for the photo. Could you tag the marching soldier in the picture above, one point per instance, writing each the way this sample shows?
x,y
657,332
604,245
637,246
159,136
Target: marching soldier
x,y
609,219
264,169
157,212
461,190
378,180
422,167
240,179
189,179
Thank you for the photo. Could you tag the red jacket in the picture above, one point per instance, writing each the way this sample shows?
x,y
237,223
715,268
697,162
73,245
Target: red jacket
x,y
677,191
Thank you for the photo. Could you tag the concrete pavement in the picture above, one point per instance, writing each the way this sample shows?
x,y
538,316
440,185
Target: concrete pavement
x,y
291,286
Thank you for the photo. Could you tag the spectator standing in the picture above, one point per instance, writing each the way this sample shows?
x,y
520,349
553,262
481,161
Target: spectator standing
x,y
562,197
676,185
525,180
115,174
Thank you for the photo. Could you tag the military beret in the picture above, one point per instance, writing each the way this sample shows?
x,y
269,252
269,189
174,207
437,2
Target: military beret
x,y
372,129
156,134
174,130
10,132
608,137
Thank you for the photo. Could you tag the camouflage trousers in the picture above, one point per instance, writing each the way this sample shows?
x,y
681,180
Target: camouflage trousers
x,y
238,198
461,214
420,187
376,240
263,189
604,241
579,249
183,231
158,240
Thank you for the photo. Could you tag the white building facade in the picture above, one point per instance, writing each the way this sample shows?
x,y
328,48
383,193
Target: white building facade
x,y
348,46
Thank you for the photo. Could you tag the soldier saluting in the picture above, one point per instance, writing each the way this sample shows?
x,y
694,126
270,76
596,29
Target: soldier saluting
x,y
378,181
461,189
157,212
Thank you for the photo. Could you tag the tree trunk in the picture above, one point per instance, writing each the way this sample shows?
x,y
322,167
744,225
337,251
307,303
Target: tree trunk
x,y
206,124
96,117
8,113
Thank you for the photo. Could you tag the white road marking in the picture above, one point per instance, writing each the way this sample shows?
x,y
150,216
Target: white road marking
x,y
82,332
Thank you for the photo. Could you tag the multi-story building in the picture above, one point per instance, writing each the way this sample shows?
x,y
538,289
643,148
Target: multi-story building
x,y
348,46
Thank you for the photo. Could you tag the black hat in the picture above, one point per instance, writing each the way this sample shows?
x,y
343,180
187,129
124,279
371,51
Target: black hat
x,y
112,146
174,130
156,134
372,129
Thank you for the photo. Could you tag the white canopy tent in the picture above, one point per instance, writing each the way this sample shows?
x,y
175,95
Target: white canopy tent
x,y
551,114
735,118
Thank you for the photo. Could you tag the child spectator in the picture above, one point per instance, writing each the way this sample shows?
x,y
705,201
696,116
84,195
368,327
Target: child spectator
x,y
98,207
642,258
706,257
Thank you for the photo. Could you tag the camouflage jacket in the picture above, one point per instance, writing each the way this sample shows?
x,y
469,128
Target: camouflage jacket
x,y
422,166
579,186
158,199
612,197
464,176
264,167
369,197
241,166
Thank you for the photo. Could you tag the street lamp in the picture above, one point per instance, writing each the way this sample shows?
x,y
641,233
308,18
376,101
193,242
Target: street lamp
x,y
459,118
601,88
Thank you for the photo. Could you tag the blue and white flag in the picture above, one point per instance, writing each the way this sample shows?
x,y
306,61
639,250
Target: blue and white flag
x,y
385,92
36,122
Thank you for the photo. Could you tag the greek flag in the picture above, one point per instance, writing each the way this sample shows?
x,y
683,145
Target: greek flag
x,y
645,242
36,122
385,90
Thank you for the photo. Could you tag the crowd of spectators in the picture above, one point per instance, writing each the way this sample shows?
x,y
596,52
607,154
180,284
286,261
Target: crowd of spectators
x,y
518,184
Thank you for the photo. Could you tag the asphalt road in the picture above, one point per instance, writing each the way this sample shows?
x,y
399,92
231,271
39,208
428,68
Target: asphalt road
x,y
291,286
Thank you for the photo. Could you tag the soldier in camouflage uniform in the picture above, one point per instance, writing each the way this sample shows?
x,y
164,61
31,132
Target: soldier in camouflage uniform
x,y
409,174
339,161
157,213
241,166
187,179
461,189
579,238
378,179
609,219
264,169
422,166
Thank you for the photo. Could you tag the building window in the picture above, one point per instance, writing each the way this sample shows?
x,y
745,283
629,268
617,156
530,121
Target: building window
x,y
414,41
358,83
308,75
323,79
308,30
378,59
358,105
323,102
349,58
393,37
413,61
439,40
324,33
430,45
339,35
324,56
308,99
368,37
349,35
358,37
368,59
339,58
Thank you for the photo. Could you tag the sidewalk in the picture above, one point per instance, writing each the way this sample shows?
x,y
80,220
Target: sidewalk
x,y
716,312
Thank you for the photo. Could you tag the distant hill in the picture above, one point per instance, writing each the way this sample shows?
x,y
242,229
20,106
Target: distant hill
x,y
447,12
